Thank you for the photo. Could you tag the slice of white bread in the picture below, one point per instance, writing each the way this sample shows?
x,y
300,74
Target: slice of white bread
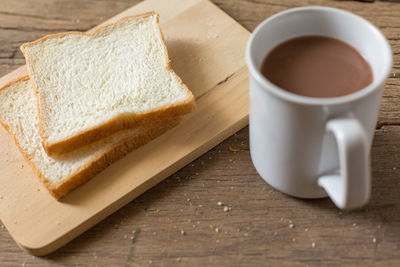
x,y
90,86
18,114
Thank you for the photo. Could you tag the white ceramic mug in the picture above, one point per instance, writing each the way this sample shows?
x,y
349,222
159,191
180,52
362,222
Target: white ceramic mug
x,y
313,147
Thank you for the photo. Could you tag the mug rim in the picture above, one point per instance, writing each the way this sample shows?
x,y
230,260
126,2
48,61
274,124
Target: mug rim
x,y
281,93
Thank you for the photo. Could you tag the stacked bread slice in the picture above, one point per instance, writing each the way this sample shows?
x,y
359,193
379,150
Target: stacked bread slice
x,y
91,98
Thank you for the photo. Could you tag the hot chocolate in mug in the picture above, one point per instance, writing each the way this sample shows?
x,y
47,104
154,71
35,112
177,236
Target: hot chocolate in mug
x,y
313,147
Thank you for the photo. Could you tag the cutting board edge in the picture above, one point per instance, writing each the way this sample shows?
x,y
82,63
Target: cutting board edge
x,y
52,246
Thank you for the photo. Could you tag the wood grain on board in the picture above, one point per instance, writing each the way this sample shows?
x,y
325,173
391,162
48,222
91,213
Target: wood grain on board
x,y
176,222
209,58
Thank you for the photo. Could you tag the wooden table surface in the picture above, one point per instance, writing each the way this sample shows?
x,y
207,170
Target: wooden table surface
x,y
179,222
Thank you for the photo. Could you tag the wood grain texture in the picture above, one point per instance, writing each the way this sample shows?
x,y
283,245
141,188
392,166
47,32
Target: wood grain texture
x,y
148,231
40,224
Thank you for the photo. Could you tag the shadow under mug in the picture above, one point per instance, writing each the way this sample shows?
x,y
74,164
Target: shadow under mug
x,y
316,147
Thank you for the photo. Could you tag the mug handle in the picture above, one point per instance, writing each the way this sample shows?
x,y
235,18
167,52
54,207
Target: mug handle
x,y
351,187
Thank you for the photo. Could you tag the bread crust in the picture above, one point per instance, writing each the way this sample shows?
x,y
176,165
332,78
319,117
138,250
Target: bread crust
x,y
112,154
118,123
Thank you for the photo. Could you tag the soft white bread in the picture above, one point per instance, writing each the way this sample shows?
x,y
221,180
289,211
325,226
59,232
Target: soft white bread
x,y
18,113
90,86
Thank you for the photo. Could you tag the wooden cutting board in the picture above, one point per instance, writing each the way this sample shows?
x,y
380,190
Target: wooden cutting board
x,y
207,50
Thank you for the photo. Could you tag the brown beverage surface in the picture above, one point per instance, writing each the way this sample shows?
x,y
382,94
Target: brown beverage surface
x,y
317,66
